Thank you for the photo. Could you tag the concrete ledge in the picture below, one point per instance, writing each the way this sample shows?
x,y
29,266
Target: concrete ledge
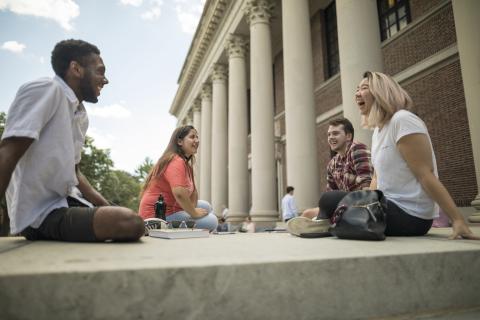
x,y
239,276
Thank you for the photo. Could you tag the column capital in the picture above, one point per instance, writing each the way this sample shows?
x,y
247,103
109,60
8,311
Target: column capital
x,y
219,72
197,105
206,91
259,11
236,46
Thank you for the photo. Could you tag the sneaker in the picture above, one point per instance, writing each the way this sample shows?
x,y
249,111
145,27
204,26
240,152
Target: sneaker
x,y
308,228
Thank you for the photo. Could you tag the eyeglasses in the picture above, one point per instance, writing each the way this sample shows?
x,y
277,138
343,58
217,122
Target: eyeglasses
x,y
156,223
180,224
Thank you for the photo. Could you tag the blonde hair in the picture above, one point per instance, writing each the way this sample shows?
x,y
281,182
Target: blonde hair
x,y
389,97
170,152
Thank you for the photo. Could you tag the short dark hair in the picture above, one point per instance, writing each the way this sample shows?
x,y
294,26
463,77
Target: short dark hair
x,y
71,50
347,125
290,189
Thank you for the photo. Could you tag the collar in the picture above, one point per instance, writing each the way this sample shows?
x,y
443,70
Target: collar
x,y
347,149
72,98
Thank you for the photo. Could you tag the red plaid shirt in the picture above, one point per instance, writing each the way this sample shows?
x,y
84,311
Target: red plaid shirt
x,y
350,172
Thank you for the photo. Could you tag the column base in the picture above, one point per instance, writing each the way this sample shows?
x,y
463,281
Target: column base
x,y
261,226
264,219
475,217
264,215
235,217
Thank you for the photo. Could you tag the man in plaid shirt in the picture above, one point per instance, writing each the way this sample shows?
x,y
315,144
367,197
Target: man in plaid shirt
x,y
350,168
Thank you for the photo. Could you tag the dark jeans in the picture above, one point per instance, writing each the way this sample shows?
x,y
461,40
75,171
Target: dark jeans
x,y
399,223
74,224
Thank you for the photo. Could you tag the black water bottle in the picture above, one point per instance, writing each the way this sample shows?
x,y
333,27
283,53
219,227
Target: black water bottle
x,y
160,208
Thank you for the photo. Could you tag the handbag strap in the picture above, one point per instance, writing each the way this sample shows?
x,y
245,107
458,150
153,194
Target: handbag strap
x,y
337,214
367,206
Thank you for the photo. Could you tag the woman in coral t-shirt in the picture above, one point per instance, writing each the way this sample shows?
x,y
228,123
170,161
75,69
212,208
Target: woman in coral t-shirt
x,y
172,177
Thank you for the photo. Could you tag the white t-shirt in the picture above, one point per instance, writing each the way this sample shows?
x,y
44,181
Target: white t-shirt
x,y
47,111
394,177
289,207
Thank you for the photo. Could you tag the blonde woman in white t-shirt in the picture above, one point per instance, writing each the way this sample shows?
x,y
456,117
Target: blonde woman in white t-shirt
x,y
405,168
404,161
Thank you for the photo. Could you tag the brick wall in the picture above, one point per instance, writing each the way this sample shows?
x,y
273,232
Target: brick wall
x,y
328,97
423,40
420,7
439,100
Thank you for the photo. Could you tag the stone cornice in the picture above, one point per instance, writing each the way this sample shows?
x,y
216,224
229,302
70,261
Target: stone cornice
x,y
212,15
259,11
236,46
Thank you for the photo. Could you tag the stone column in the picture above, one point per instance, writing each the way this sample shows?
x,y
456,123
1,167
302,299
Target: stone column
x,y
219,138
206,144
236,47
360,51
264,195
467,22
301,138
197,125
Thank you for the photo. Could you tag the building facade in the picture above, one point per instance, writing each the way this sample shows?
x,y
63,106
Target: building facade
x,y
263,78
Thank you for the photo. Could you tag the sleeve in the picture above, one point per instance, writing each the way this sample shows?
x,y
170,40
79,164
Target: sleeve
x,y
331,185
406,123
362,165
33,107
176,173
293,206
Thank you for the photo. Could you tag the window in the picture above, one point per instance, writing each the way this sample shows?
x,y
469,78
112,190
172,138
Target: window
x,y
394,15
333,59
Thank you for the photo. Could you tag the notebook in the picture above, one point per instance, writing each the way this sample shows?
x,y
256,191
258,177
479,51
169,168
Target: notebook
x,y
179,233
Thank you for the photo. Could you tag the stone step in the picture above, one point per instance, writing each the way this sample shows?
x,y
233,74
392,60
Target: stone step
x,y
241,276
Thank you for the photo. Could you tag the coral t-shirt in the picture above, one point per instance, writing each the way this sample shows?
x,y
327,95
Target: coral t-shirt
x,y
177,173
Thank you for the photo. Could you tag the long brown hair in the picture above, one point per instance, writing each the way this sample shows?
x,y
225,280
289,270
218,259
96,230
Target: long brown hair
x,y
170,152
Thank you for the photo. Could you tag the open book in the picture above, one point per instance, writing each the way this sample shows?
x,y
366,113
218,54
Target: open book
x,y
180,233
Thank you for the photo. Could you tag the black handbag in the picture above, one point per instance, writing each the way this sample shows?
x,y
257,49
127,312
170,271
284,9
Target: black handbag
x,y
360,215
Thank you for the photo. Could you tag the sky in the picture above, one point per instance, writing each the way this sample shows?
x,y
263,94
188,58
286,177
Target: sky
x,y
143,44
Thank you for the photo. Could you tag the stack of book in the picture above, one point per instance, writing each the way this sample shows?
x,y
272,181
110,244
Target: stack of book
x,y
180,233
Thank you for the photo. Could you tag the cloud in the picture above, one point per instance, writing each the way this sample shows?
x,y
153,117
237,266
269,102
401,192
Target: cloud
x,y
135,3
154,12
61,11
101,140
13,46
116,110
188,14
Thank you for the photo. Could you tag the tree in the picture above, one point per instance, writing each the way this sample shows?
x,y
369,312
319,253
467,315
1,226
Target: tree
x,y
95,164
143,170
121,188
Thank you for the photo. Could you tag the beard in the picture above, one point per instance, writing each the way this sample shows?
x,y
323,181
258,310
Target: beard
x,y
87,89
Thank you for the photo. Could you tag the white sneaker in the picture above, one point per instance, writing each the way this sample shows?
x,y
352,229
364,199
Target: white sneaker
x,y
308,228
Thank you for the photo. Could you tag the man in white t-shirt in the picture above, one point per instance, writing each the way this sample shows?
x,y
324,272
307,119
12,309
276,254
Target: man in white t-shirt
x,y
289,207
40,151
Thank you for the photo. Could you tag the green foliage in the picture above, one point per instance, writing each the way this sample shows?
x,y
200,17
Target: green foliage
x,y
143,170
121,188
3,118
96,164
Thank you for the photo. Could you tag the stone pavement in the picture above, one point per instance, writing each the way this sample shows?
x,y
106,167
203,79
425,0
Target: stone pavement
x,y
242,276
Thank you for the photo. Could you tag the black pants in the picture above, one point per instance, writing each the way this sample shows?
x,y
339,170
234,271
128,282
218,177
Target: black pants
x,y
74,224
399,223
